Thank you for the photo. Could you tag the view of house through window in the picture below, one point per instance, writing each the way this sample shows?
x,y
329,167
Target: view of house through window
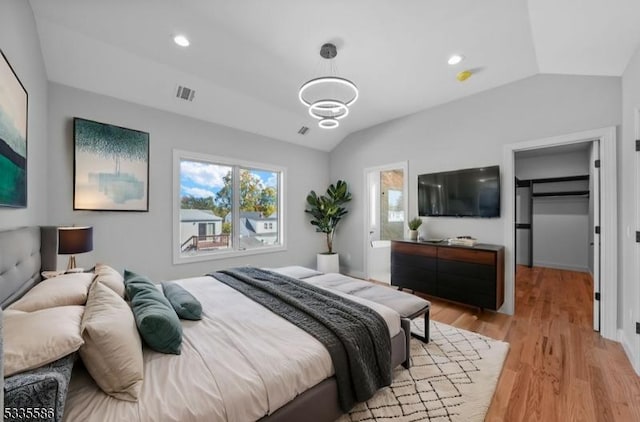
x,y
214,220
258,208
205,206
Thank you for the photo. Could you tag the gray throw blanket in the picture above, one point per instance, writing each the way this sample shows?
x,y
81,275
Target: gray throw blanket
x,y
356,336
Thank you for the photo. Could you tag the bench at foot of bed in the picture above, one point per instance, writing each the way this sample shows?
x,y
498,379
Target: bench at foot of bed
x,y
408,305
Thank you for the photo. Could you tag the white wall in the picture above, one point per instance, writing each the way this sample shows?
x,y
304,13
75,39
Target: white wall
x,y
143,241
20,43
629,188
468,133
552,165
561,233
560,224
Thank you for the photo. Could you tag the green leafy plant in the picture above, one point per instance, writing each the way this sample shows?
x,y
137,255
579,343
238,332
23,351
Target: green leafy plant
x,y
327,210
415,223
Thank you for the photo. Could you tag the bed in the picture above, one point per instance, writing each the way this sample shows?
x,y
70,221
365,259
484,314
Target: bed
x,y
240,362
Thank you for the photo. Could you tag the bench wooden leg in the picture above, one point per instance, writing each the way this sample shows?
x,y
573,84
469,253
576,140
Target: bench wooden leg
x,y
426,326
425,338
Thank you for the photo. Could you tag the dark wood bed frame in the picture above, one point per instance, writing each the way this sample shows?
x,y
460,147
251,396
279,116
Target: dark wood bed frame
x,y
27,251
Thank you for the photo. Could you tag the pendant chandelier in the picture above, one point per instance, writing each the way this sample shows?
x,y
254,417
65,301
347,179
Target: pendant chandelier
x,y
328,97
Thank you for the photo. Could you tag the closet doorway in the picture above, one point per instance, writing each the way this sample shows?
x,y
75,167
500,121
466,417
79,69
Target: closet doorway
x,y
608,236
557,210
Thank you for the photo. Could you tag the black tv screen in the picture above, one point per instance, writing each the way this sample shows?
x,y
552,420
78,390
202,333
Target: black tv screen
x,y
461,193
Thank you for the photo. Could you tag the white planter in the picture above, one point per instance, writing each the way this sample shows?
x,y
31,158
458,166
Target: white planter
x,y
413,234
328,263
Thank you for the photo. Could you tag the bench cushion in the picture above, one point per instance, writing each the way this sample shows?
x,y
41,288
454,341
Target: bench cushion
x,y
403,303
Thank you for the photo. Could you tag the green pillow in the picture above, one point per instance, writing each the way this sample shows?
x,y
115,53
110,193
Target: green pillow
x,y
185,305
157,322
133,283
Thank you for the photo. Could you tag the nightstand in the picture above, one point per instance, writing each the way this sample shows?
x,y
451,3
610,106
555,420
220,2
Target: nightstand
x,y
50,274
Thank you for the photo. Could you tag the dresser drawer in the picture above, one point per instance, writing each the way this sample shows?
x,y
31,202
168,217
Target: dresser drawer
x,y
414,249
467,255
466,269
468,284
416,261
414,279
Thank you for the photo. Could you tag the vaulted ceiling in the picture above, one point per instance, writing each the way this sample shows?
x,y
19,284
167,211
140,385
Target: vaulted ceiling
x,y
247,59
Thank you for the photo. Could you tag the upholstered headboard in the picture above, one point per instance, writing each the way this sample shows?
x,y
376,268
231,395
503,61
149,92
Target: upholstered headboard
x,y
22,257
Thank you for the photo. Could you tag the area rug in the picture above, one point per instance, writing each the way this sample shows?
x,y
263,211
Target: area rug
x,y
452,378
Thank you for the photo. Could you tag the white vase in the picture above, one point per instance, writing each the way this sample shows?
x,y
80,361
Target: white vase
x,y
328,263
413,234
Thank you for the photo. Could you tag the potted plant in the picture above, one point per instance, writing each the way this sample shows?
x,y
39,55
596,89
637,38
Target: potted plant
x,y
414,225
326,212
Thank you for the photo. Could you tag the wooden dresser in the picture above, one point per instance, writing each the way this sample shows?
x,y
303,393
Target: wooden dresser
x,y
469,275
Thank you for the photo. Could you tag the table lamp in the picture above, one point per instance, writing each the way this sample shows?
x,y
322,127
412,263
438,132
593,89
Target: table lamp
x,y
74,240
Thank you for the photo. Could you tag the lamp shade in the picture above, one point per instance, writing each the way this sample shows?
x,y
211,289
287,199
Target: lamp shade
x,y
73,240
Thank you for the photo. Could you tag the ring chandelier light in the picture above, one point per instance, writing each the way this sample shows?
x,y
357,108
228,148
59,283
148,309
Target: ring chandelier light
x,y
328,97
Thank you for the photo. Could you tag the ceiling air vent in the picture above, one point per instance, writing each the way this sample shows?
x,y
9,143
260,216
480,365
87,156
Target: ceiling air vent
x,y
303,130
185,93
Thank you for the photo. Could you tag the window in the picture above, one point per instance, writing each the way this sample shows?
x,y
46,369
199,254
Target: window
x,y
211,221
396,213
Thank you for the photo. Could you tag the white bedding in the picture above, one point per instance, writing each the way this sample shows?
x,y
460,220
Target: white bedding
x,y
239,363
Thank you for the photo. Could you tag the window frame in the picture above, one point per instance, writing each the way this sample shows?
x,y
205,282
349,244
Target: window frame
x,y
237,165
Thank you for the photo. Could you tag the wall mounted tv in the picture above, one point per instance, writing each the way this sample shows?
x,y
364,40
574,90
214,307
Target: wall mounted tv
x,y
462,193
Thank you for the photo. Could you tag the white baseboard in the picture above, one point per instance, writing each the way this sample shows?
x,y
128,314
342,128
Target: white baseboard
x,y
355,274
627,349
560,266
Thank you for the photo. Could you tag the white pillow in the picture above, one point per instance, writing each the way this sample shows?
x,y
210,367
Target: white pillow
x,y
110,278
63,290
33,339
112,352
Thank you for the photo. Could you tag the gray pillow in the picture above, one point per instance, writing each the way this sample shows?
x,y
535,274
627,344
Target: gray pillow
x,y
133,283
157,322
184,303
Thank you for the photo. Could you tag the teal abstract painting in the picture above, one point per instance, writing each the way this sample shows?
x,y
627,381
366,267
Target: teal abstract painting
x,y
13,138
111,170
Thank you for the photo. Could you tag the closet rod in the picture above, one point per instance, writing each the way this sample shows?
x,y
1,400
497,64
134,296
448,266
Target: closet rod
x,y
566,193
560,179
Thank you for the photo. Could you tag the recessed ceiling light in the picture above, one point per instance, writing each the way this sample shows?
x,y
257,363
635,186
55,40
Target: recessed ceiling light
x,y
181,40
455,59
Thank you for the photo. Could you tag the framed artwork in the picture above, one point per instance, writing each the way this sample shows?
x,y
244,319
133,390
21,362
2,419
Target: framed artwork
x,y
111,167
13,138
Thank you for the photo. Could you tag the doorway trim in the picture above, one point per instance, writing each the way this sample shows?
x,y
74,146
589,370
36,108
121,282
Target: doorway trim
x,y
608,219
636,248
404,165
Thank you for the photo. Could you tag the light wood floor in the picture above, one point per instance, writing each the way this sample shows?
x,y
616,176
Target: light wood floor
x,y
558,368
